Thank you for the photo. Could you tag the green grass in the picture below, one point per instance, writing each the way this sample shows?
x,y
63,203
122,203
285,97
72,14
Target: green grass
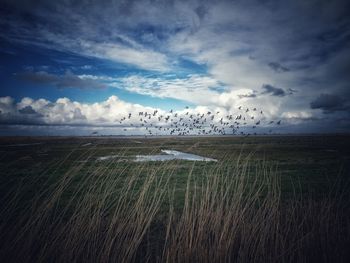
x,y
267,199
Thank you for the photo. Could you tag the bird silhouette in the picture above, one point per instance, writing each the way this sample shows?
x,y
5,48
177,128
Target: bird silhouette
x,y
196,123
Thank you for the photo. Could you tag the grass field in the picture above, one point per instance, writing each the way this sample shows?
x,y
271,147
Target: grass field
x,y
267,199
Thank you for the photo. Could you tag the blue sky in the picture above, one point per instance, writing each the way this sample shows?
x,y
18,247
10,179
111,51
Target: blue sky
x,y
289,59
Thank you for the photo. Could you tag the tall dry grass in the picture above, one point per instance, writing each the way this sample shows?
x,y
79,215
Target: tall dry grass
x,y
231,211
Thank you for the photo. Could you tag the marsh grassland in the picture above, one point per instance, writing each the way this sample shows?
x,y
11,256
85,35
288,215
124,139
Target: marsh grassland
x,y
267,199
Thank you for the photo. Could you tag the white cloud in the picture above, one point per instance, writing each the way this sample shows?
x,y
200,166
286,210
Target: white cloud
x,y
111,117
296,114
109,112
66,112
138,57
202,90
195,88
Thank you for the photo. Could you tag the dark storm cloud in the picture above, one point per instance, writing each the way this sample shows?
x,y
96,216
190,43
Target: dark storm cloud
x,y
68,80
77,115
21,117
277,67
291,91
252,95
27,110
273,91
330,103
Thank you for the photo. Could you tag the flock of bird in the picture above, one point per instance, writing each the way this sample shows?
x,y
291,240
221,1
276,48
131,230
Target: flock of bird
x,y
187,123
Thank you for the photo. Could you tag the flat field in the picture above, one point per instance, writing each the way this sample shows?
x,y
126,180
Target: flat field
x,y
266,199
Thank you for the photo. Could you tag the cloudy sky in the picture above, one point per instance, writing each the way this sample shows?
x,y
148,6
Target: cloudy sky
x,y
73,67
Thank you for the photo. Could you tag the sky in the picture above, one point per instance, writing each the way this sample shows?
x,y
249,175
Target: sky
x,y
78,67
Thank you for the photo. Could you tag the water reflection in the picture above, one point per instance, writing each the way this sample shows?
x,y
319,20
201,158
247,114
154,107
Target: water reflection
x,y
167,155
173,155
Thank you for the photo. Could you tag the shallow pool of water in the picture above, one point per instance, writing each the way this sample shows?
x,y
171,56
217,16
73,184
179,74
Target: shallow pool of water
x,y
167,155
173,155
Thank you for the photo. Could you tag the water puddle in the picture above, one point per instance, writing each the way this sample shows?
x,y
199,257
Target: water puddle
x,y
173,155
167,155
